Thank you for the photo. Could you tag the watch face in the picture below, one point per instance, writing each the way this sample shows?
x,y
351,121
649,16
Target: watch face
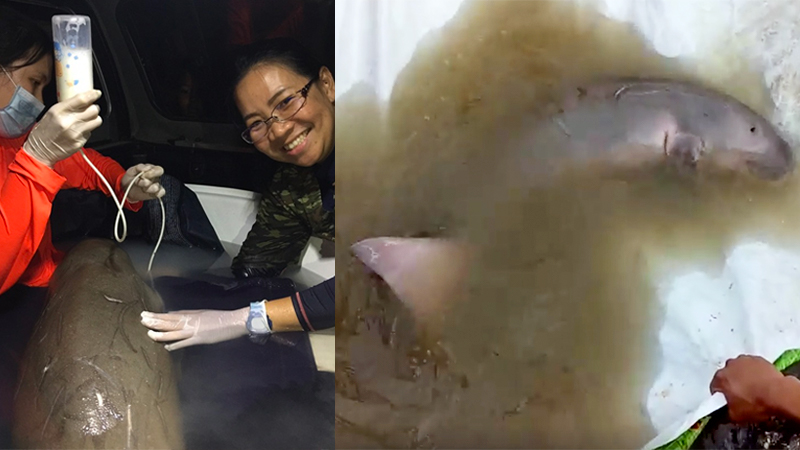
x,y
257,321
258,325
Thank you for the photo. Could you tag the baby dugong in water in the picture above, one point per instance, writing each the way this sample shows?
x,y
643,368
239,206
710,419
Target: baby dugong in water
x,y
609,126
632,124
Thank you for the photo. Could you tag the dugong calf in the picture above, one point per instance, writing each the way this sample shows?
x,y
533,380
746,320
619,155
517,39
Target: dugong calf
x,y
90,377
628,124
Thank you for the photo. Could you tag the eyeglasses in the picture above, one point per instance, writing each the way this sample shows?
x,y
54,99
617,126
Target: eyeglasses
x,y
282,112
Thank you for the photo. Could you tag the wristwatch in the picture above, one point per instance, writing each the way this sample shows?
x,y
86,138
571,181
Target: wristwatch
x,y
259,324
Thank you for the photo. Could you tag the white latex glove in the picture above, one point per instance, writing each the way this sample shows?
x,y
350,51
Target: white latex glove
x,y
64,129
147,186
193,327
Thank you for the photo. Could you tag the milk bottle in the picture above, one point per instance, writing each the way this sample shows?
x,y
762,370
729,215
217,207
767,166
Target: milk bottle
x,y
72,39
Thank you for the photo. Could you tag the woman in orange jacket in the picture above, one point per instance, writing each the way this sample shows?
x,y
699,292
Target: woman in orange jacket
x,y
36,161
39,159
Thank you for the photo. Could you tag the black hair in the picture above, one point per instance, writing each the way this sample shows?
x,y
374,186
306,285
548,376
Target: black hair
x,y
22,41
284,51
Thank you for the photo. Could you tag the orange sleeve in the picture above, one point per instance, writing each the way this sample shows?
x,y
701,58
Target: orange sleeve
x,y
79,175
26,199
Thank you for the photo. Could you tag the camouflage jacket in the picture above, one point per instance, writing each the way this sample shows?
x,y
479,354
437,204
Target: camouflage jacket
x,y
291,211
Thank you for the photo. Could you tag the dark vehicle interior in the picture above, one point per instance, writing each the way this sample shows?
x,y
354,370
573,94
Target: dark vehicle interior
x,y
165,68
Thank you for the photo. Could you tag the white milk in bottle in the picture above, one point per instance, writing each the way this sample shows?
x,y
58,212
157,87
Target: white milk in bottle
x,y
72,40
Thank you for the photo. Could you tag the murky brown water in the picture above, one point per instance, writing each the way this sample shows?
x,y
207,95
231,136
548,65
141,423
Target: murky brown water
x,y
554,345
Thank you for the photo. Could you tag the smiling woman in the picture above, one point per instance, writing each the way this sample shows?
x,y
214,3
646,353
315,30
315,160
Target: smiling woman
x,y
286,100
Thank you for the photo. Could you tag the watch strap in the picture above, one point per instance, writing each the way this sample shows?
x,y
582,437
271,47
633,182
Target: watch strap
x,y
258,321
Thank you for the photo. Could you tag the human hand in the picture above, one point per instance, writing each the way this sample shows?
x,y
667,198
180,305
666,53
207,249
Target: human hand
x,y
193,327
746,382
64,129
147,187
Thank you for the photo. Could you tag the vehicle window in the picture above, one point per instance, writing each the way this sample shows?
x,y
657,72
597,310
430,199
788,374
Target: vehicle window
x,y
185,46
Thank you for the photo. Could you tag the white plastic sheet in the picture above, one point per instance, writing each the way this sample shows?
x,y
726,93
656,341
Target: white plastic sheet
x,y
754,305
376,38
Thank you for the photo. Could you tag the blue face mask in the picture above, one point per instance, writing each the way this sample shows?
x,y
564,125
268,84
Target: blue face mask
x,y
20,114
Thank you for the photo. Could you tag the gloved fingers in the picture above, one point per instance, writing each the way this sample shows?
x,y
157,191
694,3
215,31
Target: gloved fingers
x,y
173,316
159,324
149,186
84,129
150,171
135,170
153,189
80,102
182,312
88,114
167,336
180,344
146,173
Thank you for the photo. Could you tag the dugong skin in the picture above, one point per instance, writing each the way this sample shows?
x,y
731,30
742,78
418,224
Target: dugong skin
x,y
90,377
